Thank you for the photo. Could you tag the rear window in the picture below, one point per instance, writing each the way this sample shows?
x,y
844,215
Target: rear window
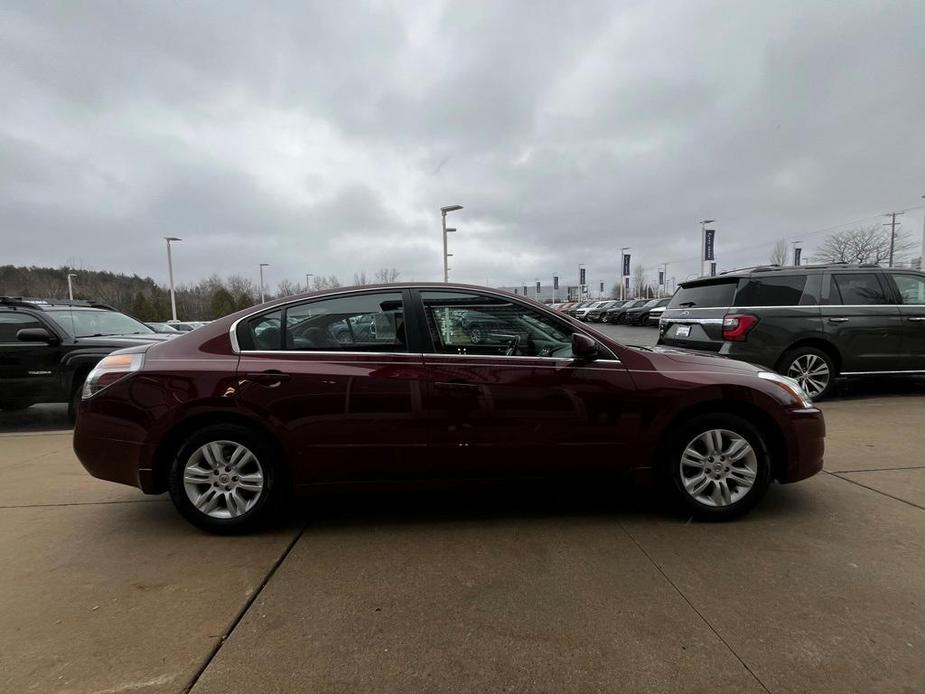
x,y
711,294
780,290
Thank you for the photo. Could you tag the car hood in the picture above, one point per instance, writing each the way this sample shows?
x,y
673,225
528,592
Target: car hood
x,y
120,341
677,358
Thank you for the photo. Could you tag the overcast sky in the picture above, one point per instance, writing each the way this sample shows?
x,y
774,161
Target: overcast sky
x,y
324,136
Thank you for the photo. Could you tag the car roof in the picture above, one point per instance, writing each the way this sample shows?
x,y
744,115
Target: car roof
x,y
775,270
52,304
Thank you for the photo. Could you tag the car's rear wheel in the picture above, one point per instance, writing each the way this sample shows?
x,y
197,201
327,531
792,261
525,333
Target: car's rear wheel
x,y
224,479
812,369
718,467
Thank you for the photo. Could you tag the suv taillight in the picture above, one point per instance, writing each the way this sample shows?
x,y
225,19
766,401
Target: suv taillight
x,y
737,325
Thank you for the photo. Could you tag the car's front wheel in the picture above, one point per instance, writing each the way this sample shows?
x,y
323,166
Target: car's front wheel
x,y
812,369
224,479
718,467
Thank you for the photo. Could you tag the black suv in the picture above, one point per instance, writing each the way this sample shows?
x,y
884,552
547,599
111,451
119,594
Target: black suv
x,y
47,347
811,323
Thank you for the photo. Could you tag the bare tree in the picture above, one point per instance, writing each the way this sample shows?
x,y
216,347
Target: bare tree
x,y
287,288
870,244
779,252
386,275
322,282
359,278
639,280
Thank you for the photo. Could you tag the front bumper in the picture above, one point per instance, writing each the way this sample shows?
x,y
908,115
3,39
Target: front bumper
x,y
805,446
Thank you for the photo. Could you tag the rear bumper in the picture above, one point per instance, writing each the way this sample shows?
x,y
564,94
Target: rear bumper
x,y
805,446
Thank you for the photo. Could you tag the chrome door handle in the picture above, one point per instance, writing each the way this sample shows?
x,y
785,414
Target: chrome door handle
x,y
917,318
268,378
838,320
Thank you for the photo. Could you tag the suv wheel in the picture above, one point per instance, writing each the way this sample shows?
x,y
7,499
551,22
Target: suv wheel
x,y
718,467
812,369
224,479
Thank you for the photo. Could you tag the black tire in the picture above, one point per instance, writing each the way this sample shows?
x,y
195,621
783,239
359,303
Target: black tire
x,y
793,362
674,478
265,504
73,402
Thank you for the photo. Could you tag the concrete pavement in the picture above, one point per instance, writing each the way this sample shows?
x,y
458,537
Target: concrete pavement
x,y
104,589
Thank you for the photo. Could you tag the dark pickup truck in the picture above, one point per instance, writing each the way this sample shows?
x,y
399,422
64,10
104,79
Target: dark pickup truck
x,y
48,346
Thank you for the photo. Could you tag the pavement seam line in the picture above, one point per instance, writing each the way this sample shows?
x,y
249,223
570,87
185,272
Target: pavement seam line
x,y
876,469
244,609
85,503
872,489
691,605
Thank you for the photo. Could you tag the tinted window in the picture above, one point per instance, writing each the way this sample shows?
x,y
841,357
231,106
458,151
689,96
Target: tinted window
x,y
911,288
462,323
264,332
711,294
780,290
11,323
857,289
359,323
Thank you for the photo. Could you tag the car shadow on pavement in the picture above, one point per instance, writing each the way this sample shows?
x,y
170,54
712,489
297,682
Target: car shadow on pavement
x,y
37,418
858,388
537,502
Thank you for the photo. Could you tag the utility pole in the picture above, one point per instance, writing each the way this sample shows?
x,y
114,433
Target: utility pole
x,y
70,285
446,256
173,298
892,225
262,266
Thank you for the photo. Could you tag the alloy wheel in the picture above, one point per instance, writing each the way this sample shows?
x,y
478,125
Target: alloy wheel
x,y
718,467
223,479
811,372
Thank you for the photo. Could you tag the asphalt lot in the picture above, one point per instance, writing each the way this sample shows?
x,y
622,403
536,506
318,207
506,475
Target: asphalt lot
x,y
570,590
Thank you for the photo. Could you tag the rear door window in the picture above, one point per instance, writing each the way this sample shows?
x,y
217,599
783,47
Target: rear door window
x,y
708,295
911,288
779,290
857,289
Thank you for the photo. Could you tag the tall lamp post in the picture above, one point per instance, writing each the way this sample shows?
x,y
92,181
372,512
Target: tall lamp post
x,y
173,296
262,266
446,265
70,285
703,243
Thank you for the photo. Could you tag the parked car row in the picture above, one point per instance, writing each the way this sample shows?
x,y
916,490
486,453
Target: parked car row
x,y
630,312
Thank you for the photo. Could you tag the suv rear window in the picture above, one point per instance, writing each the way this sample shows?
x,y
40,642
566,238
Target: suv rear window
x,y
711,294
857,289
780,290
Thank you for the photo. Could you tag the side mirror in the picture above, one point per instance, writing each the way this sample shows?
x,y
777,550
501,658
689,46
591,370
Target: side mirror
x,y
583,347
36,335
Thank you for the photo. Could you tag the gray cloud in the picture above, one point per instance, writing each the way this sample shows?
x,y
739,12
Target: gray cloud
x,y
323,137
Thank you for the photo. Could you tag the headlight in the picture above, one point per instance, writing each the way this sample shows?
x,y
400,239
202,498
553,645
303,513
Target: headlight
x,y
109,370
788,384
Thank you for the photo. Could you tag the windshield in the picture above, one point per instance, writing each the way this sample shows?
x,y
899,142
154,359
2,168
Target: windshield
x,y
96,323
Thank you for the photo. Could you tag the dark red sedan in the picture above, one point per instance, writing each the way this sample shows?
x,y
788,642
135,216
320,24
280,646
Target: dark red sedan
x,y
385,386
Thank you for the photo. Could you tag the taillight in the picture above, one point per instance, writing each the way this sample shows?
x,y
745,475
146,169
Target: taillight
x,y
109,370
737,325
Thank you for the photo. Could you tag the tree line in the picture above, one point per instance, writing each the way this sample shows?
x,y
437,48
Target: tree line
x,y
146,300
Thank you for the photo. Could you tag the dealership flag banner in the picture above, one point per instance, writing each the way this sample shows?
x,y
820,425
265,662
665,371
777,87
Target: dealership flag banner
x,y
555,282
537,288
709,236
712,269
581,277
626,264
797,255
661,278
602,287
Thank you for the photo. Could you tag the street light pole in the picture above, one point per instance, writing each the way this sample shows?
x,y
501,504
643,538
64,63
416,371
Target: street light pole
x,y
446,264
262,266
70,285
173,297
308,283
